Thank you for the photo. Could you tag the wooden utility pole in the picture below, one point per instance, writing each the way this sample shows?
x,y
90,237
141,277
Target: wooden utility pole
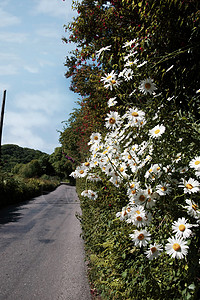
x,y
1,121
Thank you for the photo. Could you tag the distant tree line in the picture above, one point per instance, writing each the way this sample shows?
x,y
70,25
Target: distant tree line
x,y
29,163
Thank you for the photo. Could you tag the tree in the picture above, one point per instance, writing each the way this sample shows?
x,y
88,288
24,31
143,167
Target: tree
x,y
61,165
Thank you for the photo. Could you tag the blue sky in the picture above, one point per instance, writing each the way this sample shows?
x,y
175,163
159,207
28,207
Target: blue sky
x,y
32,57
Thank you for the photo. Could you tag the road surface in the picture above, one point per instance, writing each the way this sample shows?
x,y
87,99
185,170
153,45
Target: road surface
x,y
41,251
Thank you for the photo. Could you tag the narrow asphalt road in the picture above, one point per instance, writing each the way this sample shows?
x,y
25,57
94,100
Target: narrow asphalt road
x,y
41,250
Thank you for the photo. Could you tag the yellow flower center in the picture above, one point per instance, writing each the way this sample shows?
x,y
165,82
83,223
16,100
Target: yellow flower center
x,y
121,169
138,212
176,247
134,114
163,188
81,171
139,218
142,198
189,186
129,156
194,206
96,138
132,186
141,236
109,77
197,162
181,227
153,249
133,192
113,81
112,121
150,170
87,164
147,85
157,131
158,168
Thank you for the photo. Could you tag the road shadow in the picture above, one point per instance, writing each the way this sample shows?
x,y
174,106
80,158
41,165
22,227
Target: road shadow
x,y
12,213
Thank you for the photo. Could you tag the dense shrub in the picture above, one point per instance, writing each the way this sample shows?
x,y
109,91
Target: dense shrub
x,y
15,189
140,199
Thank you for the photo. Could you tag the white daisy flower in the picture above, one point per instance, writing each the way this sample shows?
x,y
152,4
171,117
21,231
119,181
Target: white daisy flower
x,y
157,131
154,251
95,138
181,228
133,186
93,177
140,238
110,80
195,163
190,186
113,120
147,86
108,77
134,114
123,214
182,170
107,48
128,75
130,54
178,157
130,63
139,220
81,171
129,44
163,189
151,200
84,193
112,101
122,169
141,196
176,247
73,174
192,209
92,195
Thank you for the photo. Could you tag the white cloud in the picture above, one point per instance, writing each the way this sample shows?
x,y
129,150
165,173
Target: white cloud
x,y
21,128
48,102
54,8
8,70
24,137
48,33
31,69
12,37
8,19
8,56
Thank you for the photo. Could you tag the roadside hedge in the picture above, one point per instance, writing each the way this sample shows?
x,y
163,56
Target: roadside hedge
x,y
118,269
14,190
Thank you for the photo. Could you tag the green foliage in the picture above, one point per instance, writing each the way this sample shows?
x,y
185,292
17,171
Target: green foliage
x,y
117,269
16,189
167,36
14,154
61,165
